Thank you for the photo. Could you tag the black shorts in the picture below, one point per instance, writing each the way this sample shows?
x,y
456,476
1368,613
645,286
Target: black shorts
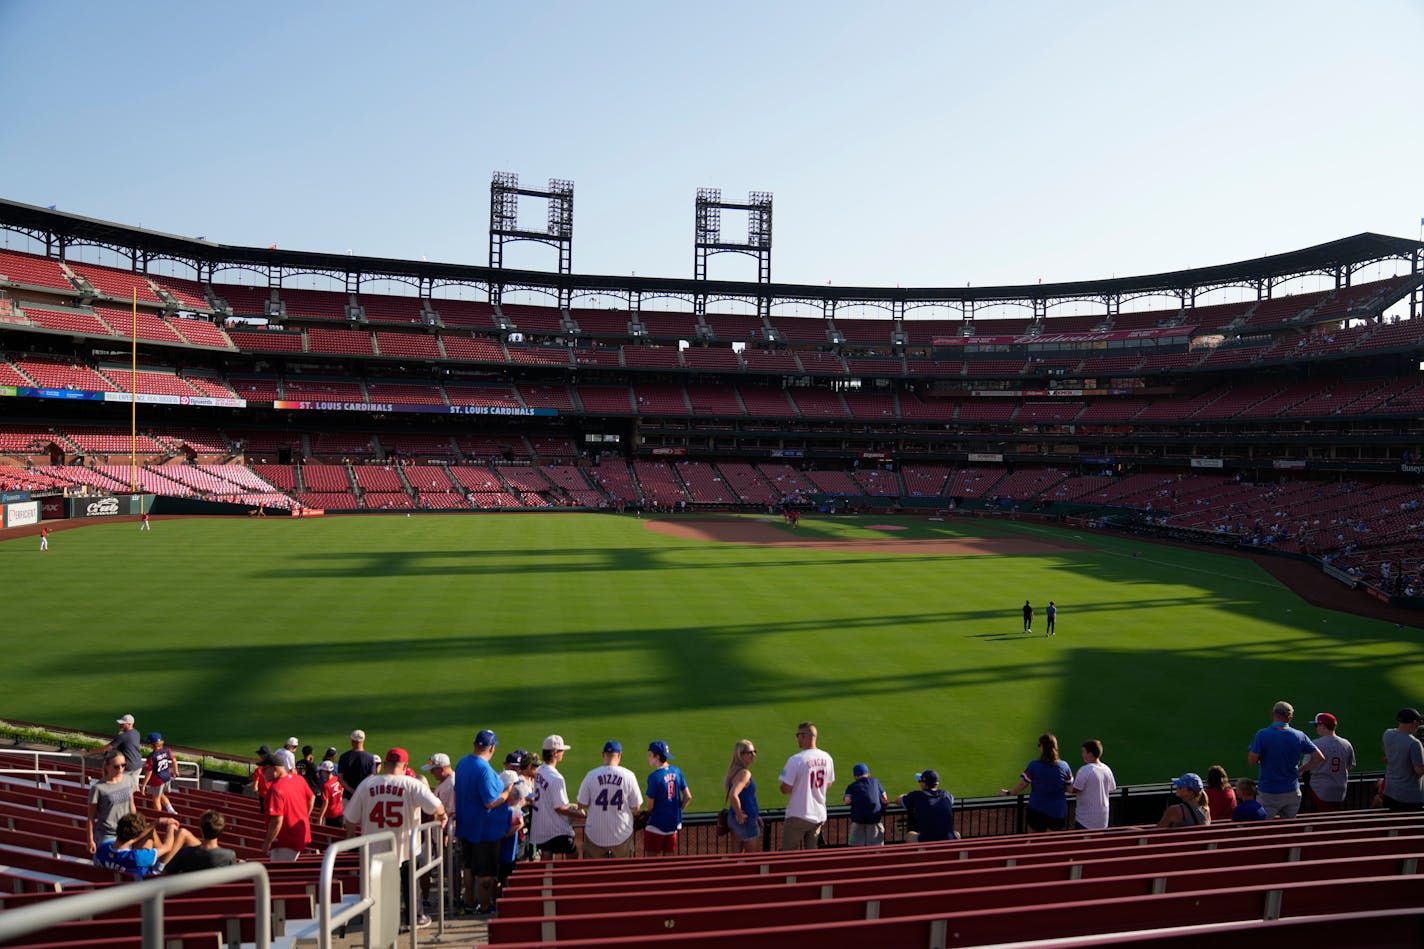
x,y
560,846
481,859
1037,820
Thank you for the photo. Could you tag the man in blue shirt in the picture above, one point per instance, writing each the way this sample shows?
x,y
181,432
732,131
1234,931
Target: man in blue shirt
x,y
867,799
479,792
1278,749
931,808
667,796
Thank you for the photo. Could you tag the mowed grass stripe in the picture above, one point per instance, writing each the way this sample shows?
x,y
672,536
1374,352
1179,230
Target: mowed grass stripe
x,y
231,633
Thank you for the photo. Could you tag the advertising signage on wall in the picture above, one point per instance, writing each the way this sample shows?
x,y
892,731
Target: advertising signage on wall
x,y
318,406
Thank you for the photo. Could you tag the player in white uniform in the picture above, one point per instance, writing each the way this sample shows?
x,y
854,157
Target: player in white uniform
x,y
609,797
394,800
549,825
806,776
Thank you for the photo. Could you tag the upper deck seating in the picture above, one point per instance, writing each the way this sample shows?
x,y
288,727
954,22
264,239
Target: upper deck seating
x,y
781,361
78,321
736,327
242,299
711,401
315,304
821,364
190,294
669,326
321,339
711,359
200,332
606,400
389,308
465,313
542,320
819,403
411,345
266,340
150,326
802,329
112,282
33,270
660,399
865,332
474,349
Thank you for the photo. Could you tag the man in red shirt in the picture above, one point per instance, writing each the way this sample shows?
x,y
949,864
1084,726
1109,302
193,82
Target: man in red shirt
x,y
288,808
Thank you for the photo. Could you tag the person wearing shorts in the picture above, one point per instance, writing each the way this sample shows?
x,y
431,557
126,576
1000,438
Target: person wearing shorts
x,y
667,796
1049,777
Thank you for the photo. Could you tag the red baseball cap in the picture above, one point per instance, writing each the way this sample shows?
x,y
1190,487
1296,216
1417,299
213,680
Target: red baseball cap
x,y
398,754
1326,719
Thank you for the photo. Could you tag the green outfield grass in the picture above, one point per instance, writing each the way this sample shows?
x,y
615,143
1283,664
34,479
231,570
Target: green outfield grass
x,y
227,634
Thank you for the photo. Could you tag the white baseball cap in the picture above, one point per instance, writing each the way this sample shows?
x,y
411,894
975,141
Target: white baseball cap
x,y
125,720
292,743
358,735
440,760
556,743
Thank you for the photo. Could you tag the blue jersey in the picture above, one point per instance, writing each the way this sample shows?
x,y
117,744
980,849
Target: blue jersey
x,y
160,765
1281,749
138,862
476,787
1049,791
934,813
866,795
665,790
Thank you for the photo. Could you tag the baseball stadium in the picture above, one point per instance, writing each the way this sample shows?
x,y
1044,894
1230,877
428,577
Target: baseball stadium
x,y
929,545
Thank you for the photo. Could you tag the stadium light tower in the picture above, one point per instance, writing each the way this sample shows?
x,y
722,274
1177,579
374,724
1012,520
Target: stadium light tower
x,y
504,224
707,239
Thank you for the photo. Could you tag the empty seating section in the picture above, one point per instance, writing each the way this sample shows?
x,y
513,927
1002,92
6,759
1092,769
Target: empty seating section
x,y
315,304
1394,335
33,270
786,481
540,355
987,410
993,367
386,501
1030,485
343,444
332,479
491,395
1110,410
983,327
819,403
553,446
935,367
610,400
1217,315
149,381
1166,362
69,320
410,393
257,388
79,475
736,327
714,401
1072,324
765,402
705,483
875,368
1282,309
409,444
802,329
654,399
52,373
244,300
381,479
1176,408
1235,401
323,390
877,483
711,359
614,477
925,480
200,332
660,485
1234,355
465,313
601,322
534,319
1060,412
925,332
913,407
328,500
412,345
111,282
652,357
833,482
1106,365
484,486
777,361
747,483
865,332
473,349
19,438
492,446
149,325
974,482
148,480
385,308
107,441
545,396
343,342
821,364
190,294
266,341
572,482
670,326
598,357
282,477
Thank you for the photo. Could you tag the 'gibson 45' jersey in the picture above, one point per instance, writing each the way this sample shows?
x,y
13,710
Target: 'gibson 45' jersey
x,y
391,802
610,795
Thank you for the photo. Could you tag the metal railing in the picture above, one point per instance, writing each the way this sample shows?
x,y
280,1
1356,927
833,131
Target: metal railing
x,y
429,840
326,922
186,773
17,923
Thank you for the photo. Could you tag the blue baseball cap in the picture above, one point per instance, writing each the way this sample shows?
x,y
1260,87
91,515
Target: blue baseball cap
x,y
612,746
660,749
929,777
152,737
1188,780
486,739
860,770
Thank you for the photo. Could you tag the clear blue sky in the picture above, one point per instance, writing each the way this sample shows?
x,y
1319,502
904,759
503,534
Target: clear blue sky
x,y
916,143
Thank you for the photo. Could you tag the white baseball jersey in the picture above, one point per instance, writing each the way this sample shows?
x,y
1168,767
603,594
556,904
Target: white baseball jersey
x,y
445,791
1093,782
809,773
1329,778
610,794
550,792
391,802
